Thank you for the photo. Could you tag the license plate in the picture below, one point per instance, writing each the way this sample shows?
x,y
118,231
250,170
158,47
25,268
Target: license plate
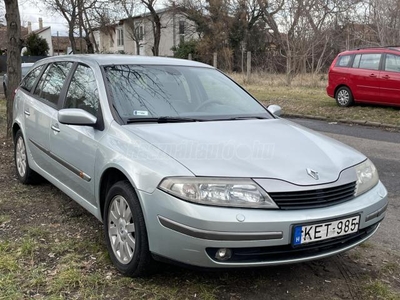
x,y
304,234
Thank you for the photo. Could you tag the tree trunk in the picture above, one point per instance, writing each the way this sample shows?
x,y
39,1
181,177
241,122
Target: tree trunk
x,y
13,56
72,39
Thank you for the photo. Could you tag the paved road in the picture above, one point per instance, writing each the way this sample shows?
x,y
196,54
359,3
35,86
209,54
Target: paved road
x,y
383,148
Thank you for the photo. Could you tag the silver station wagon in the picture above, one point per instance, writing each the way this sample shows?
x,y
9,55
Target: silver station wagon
x,y
181,164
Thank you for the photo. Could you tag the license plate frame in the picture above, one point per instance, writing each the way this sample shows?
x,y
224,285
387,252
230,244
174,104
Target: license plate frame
x,y
298,230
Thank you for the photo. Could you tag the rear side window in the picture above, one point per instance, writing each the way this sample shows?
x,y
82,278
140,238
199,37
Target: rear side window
x,y
83,92
370,61
356,62
343,61
52,81
392,63
29,80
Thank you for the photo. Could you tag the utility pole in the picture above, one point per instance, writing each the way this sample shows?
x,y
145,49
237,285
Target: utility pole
x,y
58,44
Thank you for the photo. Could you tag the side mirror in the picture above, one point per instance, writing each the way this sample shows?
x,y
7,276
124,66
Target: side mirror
x,y
275,110
76,116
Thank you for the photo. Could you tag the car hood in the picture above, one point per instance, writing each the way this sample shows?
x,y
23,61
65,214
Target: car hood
x,y
273,148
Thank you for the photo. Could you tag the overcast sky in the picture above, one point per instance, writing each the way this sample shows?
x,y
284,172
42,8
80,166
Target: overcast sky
x,y
30,11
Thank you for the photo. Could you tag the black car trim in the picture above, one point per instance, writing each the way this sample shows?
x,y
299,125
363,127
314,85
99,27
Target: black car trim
x,y
70,167
219,235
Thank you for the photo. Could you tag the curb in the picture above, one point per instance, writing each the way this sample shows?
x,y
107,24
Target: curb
x,y
346,121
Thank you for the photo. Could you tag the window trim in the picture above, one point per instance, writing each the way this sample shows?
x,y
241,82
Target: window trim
x,y
43,66
349,63
100,120
45,101
384,63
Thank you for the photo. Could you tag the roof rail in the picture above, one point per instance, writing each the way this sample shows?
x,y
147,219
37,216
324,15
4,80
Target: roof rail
x,y
396,48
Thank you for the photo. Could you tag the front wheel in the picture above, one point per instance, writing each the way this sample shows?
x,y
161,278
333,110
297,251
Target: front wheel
x,y
125,231
344,97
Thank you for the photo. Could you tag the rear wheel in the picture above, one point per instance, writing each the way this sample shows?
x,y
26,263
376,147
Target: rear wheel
x,y
24,173
125,231
344,97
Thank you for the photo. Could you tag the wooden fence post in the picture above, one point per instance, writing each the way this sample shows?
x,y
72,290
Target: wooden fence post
x,y
190,56
215,59
248,65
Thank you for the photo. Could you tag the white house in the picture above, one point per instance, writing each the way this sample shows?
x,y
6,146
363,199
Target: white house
x,y
135,35
43,32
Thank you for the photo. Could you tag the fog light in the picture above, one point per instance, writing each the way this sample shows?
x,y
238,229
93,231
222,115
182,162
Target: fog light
x,y
223,254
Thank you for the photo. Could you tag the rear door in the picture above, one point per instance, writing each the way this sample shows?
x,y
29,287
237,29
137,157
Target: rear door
x,y
390,80
39,108
365,81
75,146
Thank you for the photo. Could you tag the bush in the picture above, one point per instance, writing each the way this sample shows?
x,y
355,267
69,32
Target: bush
x,y
36,46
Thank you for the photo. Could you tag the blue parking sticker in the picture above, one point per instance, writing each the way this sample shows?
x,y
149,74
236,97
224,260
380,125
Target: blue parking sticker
x,y
297,235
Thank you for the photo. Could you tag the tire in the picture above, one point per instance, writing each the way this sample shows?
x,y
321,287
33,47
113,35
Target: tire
x,y
344,97
125,231
24,173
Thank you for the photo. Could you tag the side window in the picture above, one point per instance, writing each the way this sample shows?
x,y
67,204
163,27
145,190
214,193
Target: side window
x,y
343,61
83,92
356,62
392,63
370,61
29,80
52,81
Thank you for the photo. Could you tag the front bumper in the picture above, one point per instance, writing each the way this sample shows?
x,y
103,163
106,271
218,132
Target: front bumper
x,y
191,234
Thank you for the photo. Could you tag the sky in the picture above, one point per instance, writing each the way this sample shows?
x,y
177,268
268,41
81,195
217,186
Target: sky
x,y
30,11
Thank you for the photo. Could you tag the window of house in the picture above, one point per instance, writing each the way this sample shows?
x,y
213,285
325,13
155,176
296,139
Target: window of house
x,y
29,80
392,63
52,81
120,37
181,27
83,92
141,33
343,61
370,61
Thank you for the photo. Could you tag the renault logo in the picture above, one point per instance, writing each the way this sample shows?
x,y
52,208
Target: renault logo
x,y
312,173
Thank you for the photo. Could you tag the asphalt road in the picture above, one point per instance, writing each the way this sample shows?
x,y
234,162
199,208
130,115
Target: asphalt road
x,y
383,148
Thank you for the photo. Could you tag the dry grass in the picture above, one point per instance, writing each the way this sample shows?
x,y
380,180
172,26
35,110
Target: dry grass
x,y
307,96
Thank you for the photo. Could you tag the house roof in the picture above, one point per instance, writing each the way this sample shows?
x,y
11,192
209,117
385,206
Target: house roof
x,y
40,30
3,35
61,43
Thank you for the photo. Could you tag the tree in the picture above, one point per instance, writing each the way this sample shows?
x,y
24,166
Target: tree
x,y
36,45
13,55
156,22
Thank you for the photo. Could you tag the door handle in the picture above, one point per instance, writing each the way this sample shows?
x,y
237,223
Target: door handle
x,y
386,77
27,113
55,128
372,75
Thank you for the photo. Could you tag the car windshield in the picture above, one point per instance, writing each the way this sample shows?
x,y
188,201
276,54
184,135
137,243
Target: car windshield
x,y
150,92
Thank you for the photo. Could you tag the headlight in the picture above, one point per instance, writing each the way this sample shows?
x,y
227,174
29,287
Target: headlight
x,y
367,177
218,192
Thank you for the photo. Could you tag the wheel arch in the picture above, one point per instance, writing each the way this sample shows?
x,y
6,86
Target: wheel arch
x,y
109,177
15,129
343,85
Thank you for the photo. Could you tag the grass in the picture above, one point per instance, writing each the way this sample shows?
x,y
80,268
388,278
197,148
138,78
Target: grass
x,y
307,96
379,290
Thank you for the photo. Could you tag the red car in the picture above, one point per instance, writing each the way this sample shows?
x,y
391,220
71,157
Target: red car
x,y
369,75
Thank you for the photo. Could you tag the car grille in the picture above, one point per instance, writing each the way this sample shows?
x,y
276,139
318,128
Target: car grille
x,y
289,252
314,198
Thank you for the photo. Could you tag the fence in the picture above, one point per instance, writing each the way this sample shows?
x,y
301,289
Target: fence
x,y
24,59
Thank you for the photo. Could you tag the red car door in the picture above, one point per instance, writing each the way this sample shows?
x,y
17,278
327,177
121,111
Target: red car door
x,y
365,77
390,80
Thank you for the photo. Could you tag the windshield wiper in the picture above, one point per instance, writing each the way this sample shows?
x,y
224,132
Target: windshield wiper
x,y
163,120
241,118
